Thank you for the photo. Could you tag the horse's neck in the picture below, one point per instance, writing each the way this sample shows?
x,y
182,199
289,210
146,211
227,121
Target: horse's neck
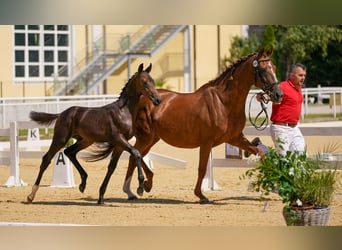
x,y
129,103
233,93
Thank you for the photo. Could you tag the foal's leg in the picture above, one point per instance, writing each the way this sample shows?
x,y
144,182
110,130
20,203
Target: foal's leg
x,y
71,152
55,146
111,167
143,145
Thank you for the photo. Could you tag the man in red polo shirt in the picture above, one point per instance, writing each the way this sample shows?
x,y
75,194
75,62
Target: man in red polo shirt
x,y
284,129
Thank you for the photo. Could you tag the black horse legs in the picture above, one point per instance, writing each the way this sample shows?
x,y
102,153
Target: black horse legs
x,y
43,166
71,152
111,167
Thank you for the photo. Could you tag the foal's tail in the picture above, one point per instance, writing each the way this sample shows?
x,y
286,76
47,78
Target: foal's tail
x,y
43,118
98,151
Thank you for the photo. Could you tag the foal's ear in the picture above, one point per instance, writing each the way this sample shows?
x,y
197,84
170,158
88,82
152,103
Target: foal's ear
x,y
141,67
148,69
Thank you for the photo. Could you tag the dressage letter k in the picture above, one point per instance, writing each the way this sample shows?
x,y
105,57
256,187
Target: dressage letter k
x,y
33,133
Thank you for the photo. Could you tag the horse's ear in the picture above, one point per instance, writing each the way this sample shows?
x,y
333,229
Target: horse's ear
x,y
270,51
141,67
261,51
148,70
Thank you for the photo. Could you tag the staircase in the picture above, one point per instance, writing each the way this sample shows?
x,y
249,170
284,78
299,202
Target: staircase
x,y
101,63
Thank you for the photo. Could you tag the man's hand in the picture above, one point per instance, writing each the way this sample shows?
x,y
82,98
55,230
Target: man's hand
x,y
263,97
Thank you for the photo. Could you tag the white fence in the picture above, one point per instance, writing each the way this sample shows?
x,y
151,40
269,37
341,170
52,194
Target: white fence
x,y
11,153
316,101
18,109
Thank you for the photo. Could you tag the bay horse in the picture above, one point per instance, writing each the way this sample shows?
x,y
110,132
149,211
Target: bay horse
x,y
212,115
112,124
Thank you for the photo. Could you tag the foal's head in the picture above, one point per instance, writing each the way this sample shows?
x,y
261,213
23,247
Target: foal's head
x,y
144,84
265,77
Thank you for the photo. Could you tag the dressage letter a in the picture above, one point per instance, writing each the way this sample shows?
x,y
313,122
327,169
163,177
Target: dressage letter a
x,y
60,158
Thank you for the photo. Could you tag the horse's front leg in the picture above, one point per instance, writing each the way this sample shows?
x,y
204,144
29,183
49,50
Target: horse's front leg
x,y
111,167
137,157
202,168
242,142
143,144
127,183
148,183
71,152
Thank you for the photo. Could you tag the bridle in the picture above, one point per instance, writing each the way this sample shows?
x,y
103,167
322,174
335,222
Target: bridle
x,y
258,73
267,88
263,101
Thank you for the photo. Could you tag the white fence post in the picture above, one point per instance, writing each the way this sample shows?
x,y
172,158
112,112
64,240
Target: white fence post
x,y
14,178
208,181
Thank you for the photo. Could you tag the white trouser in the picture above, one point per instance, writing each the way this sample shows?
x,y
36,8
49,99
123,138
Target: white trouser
x,y
287,138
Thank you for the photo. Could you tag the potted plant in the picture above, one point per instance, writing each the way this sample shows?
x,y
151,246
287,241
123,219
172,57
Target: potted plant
x,y
305,184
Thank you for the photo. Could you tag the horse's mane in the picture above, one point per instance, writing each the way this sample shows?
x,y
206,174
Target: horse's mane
x,y
229,71
124,90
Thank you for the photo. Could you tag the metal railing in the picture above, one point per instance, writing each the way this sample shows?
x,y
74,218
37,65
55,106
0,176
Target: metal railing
x,y
101,60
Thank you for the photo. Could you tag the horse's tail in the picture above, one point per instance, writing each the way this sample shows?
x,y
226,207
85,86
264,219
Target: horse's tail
x,y
43,118
98,151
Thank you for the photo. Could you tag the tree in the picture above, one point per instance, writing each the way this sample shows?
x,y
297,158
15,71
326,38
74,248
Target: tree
x,y
317,46
299,43
241,47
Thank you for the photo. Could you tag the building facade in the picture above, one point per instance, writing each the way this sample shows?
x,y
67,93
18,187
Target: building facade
x,y
43,60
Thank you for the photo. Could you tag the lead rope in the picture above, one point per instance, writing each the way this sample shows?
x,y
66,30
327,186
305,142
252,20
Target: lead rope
x,y
264,123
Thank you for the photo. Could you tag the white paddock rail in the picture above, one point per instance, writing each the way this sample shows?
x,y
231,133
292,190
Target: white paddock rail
x,y
12,154
18,109
307,130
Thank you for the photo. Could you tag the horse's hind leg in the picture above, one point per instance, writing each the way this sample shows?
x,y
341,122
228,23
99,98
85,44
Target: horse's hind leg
x,y
46,160
111,167
71,152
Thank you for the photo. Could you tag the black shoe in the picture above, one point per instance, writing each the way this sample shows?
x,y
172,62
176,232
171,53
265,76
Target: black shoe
x,y
255,142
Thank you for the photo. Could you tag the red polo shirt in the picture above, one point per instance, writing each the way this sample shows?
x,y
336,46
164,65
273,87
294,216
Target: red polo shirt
x,y
288,111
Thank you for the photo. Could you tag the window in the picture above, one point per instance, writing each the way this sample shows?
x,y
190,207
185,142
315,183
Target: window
x,y
41,52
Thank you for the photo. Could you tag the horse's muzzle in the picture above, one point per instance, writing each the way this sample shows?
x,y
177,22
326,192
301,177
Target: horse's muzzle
x,y
156,100
277,94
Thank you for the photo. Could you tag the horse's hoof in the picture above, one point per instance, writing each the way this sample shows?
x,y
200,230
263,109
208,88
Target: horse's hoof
x,y
204,201
82,187
146,187
140,191
132,198
29,199
100,202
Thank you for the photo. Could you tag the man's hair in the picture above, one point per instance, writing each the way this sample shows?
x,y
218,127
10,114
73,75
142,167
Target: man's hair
x,y
295,66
